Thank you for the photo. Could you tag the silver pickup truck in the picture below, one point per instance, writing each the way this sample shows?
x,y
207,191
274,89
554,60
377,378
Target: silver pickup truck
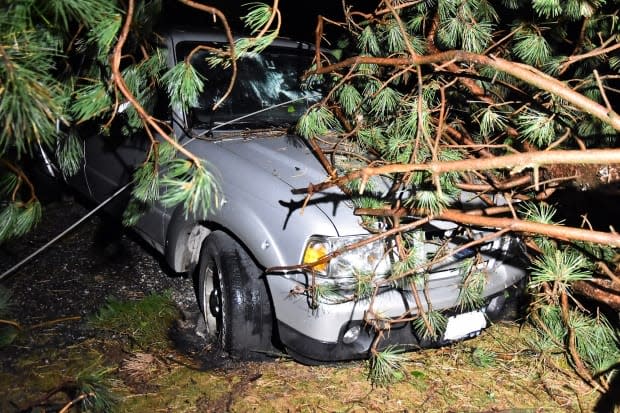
x,y
262,225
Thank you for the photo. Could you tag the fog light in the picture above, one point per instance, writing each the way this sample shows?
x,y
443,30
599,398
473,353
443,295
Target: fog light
x,y
351,335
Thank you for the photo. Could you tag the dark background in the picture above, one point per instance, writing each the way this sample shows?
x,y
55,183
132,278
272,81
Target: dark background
x,y
299,18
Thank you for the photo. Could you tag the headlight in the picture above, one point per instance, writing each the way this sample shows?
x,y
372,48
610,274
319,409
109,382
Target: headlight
x,y
374,258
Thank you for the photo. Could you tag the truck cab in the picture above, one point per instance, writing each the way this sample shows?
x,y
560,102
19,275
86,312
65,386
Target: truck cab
x,y
256,256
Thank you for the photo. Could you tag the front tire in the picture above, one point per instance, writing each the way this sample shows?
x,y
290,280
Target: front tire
x,y
233,298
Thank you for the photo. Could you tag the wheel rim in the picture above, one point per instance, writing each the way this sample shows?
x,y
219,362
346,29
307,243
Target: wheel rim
x,y
213,304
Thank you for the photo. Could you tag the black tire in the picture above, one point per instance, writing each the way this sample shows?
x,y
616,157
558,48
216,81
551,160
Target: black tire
x,y
233,298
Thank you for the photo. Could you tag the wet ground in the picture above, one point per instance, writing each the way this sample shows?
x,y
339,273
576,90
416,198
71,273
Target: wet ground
x,y
55,293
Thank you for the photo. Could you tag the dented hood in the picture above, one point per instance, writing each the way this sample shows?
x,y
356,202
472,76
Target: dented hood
x,y
286,157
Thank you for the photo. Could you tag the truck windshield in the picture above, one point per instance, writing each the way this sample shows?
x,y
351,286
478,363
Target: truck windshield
x,y
264,80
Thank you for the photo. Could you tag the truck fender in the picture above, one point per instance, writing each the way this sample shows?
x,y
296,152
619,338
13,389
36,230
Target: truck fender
x,y
186,233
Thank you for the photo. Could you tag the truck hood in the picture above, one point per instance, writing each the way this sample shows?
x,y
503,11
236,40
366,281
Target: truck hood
x,y
289,160
286,157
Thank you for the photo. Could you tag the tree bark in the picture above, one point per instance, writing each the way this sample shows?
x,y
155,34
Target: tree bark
x,y
603,291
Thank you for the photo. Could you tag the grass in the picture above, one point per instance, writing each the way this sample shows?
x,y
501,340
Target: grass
x,y
8,328
497,371
41,372
145,322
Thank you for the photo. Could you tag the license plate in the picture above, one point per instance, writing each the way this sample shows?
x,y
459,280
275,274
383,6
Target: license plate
x,y
464,325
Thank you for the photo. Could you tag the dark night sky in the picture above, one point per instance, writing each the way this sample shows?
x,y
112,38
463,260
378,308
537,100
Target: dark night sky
x,y
299,17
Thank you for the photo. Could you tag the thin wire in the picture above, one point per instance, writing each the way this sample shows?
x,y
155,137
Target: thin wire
x,y
62,234
114,195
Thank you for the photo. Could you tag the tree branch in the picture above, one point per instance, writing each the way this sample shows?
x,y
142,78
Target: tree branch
x,y
119,81
520,71
518,162
519,225
231,44
513,224
571,345
592,53
603,291
22,177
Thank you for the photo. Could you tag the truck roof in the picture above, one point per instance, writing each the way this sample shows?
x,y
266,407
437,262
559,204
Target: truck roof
x,y
179,34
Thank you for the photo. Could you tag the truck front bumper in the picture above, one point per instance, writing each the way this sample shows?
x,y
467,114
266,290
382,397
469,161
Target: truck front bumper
x,y
311,351
334,332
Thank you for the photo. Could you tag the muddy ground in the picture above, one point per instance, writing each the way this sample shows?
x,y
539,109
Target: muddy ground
x,y
55,294
58,289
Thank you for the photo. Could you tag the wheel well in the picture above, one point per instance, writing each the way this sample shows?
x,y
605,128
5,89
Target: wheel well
x,y
184,242
184,237
212,227
194,244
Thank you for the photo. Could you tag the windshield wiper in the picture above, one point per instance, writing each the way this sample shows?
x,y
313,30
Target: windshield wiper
x,y
254,125
232,121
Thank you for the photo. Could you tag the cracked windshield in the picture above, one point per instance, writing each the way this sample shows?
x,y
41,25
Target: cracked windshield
x,y
271,79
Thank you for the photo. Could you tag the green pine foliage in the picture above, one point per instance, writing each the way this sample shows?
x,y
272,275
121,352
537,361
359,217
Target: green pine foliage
x,y
26,217
69,153
596,339
386,366
8,182
456,110
407,270
547,8
560,268
192,186
147,182
57,86
368,42
32,99
95,385
349,98
184,85
364,286
103,34
466,25
316,122
385,102
66,12
92,99
545,214
324,293
430,325
474,280
595,252
432,201
532,47
17,219
372,137
491,120
38,94
539,212
257,16
440,112
394,37
255,20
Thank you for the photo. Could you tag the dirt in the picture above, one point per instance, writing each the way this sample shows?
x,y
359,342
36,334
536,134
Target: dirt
x,y
55,294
